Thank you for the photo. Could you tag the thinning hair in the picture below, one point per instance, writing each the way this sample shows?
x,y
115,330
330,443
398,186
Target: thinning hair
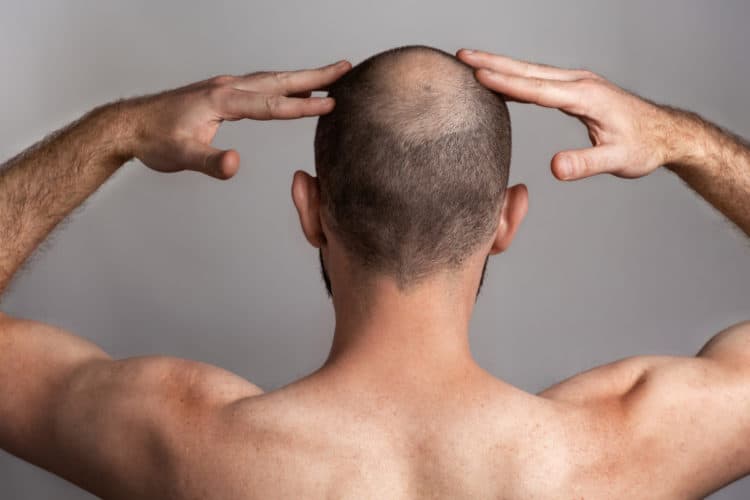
x,y
412,163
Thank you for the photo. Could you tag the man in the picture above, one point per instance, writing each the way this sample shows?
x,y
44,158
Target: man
x,y
400,409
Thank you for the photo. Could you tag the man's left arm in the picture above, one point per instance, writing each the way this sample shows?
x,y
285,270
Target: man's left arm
x,y
65,405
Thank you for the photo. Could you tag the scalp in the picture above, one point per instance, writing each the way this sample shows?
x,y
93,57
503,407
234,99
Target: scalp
x,y
428,93
412,162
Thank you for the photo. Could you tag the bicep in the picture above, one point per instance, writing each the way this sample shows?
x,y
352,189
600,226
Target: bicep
x,y
68,407
691,416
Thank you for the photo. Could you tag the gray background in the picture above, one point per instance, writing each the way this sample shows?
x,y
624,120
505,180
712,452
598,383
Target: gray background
x,y
220,272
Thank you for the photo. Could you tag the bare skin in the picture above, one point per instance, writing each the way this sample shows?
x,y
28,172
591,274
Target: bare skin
x,y
400,409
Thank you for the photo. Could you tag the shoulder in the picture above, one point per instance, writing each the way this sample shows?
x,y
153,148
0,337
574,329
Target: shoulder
x,y
684,421
602,383
726,354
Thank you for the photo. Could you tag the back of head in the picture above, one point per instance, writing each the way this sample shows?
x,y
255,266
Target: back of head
x,y
412,163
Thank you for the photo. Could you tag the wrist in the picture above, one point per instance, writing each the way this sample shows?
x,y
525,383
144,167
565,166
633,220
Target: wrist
x,y
690,143
115,122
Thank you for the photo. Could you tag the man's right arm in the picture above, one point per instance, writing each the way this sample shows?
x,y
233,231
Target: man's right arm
x,y
687,419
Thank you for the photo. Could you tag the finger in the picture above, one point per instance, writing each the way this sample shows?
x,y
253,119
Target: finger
x,y
581,163
563,95
240,104
294,82
510,66
208,160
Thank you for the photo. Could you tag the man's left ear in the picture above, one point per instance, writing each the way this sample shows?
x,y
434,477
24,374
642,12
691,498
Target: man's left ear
x,y
515,206
306,197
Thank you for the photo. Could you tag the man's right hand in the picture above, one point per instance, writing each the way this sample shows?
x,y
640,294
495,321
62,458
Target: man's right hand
x,y
631,137
174,129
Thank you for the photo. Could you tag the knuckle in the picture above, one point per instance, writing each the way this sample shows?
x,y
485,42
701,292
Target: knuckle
x,y
271,103
221,80
280,77
538,83
584,164
586,74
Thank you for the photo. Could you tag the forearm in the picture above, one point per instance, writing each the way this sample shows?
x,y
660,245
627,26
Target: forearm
x,y
716,164
42,185
169,132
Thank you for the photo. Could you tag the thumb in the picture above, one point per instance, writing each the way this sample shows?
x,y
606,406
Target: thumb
x,y
221,164
581,163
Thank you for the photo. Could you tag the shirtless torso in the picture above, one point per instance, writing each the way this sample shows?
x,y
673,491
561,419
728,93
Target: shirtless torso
x,y
613,432
650,427
644,427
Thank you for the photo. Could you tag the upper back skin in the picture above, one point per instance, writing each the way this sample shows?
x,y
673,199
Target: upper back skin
x,y
322,437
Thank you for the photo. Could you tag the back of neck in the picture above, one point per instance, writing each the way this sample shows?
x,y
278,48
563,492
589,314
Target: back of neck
x,y
388,333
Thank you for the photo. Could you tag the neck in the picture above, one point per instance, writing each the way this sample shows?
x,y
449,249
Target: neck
x,y
387,333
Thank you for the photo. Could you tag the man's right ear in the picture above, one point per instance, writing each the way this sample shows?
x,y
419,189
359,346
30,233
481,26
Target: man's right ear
x,y
306,197
515,206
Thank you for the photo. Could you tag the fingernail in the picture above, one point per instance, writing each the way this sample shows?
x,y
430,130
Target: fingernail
x,y
467,51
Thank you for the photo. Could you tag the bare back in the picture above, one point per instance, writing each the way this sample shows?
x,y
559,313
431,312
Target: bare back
x,y
324,438
644,427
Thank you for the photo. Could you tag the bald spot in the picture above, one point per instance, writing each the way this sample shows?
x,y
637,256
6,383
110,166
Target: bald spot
x,y
428,93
